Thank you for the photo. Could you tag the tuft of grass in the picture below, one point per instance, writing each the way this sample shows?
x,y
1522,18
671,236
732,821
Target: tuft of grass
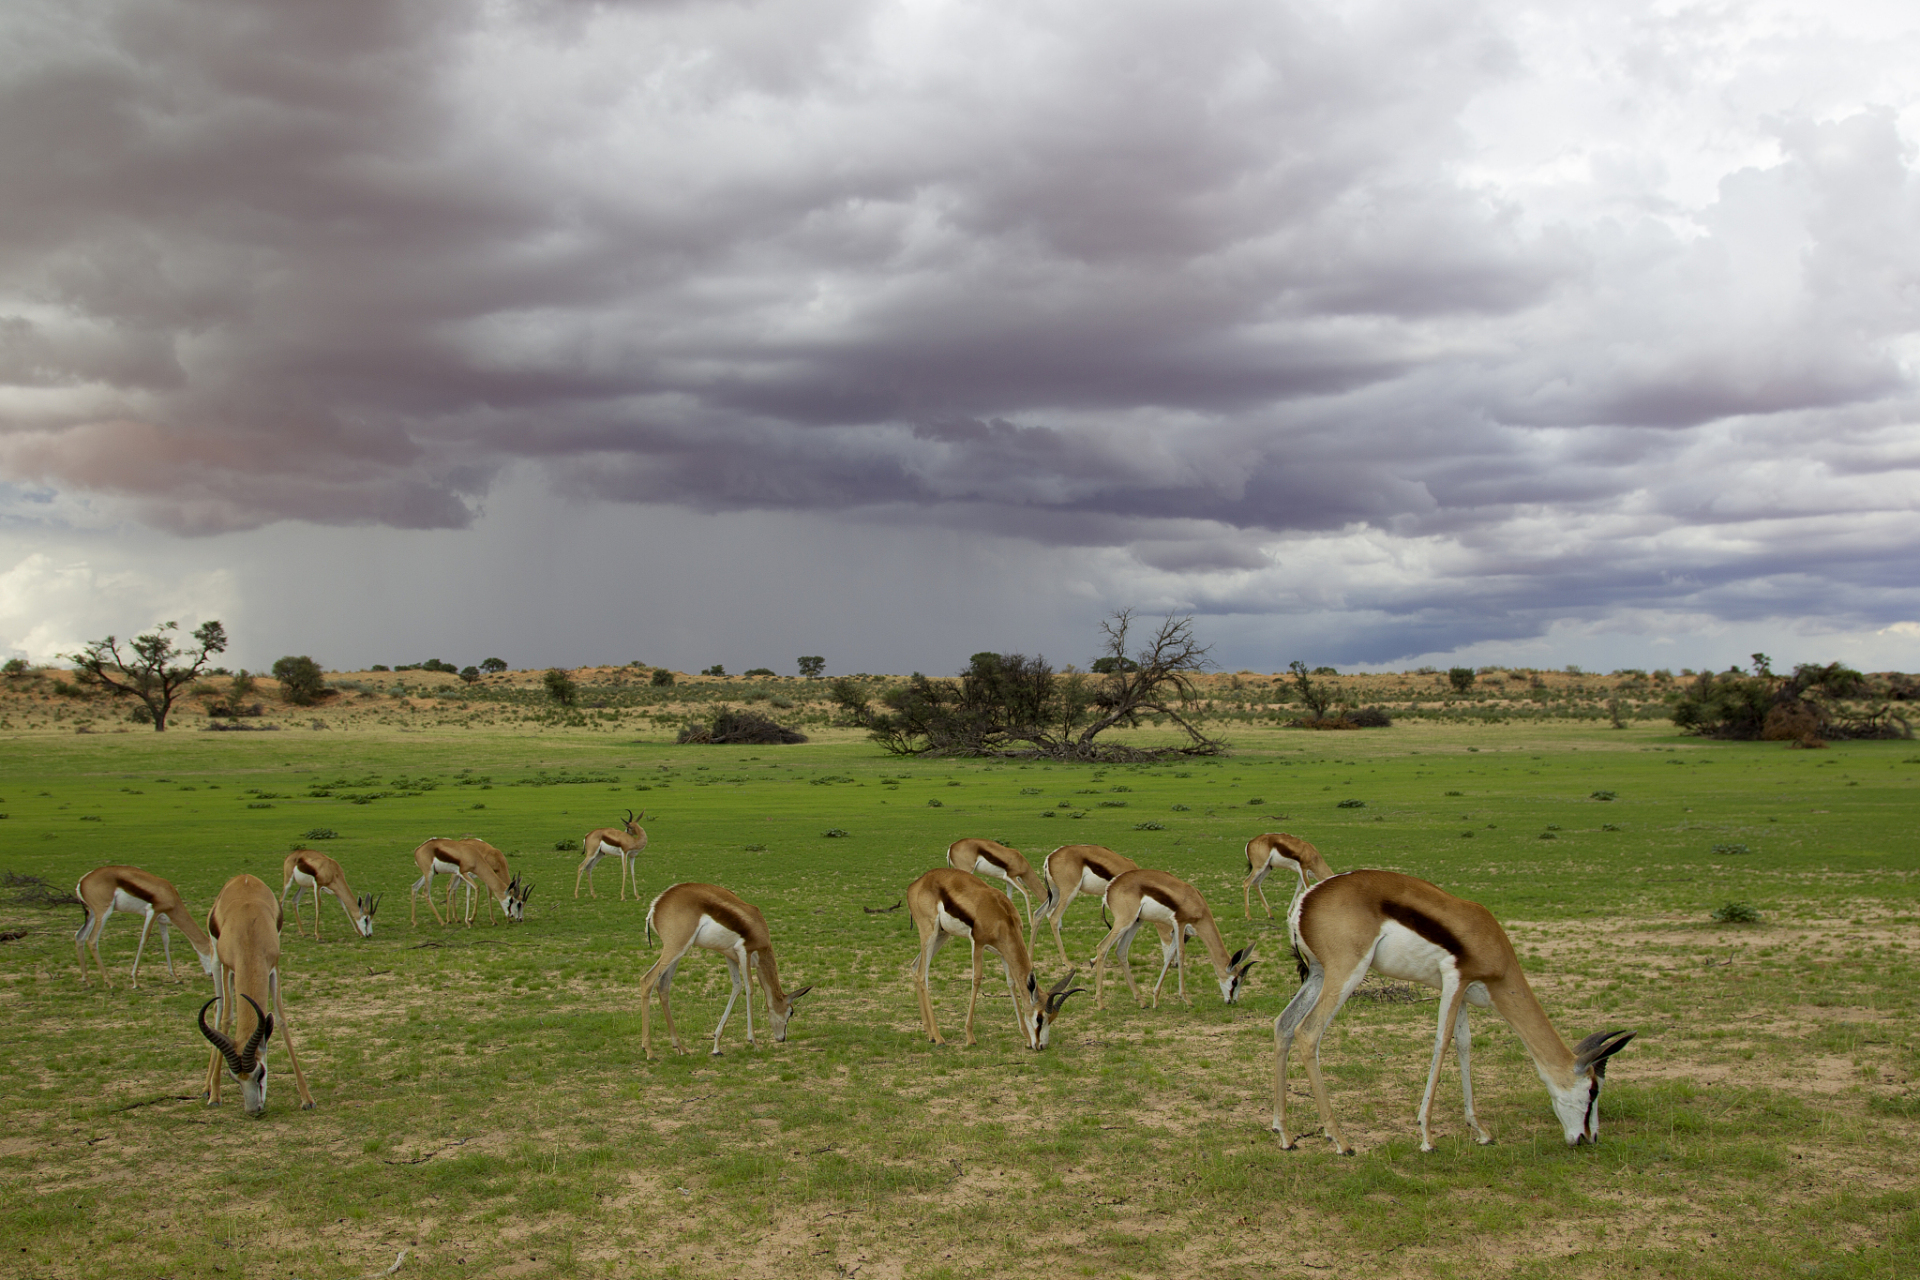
x,y
1736,913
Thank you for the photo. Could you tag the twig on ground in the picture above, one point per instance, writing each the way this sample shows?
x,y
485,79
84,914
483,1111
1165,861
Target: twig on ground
x,y
430,1155
881,911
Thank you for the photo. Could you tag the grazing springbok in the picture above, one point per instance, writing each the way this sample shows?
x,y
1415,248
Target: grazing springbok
x,y
306,869
1414,931
245,925
1074,869
623,842
106,890
948,904
474,862
1267,853
991,860
705,915
1154,897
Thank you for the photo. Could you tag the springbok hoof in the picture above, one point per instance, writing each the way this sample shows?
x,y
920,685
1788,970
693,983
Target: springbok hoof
x,y
716,1054
306,1106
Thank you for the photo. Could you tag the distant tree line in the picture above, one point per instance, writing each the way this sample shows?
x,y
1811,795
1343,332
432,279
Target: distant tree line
x,y
1808,706
1012,704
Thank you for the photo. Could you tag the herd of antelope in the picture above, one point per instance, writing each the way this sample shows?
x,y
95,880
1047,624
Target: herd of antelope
x,y
1341,927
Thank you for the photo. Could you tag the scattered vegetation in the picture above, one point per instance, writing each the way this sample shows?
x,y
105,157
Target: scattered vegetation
x,y
1008,704
152,667
1736,913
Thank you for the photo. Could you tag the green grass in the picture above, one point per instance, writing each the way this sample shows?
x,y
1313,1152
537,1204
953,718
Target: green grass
x,y
483,1102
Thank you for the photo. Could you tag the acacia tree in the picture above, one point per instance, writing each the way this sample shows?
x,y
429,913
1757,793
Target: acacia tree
x,y
1010,704
152,667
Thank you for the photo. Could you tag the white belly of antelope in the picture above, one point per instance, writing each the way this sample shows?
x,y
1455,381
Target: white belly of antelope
x,y
951,924
1091,883
1154,911
304,880
124,901
1405,955
715,936
439,868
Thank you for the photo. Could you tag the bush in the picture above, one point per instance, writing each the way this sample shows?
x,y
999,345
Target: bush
x,y
469,674
1736,913
560,687
759,671
715,670
14,667
301,681
493,666
661,678
811,665
1461,678
1351,804
731,728
1733,850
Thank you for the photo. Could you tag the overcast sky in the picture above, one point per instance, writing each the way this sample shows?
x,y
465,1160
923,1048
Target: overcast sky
x,y
1372,334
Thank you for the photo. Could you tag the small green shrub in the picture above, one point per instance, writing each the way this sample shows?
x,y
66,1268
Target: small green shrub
x,y
1351,804
661,678
1604,795
1731,850
320,833
754,848
935,804
1148,826
834,833
1736,913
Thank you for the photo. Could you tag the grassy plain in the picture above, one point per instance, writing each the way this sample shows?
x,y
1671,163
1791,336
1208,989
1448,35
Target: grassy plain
x,y
484,1104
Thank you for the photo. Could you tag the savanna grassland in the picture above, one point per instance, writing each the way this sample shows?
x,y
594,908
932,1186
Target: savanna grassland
x,y
484,1105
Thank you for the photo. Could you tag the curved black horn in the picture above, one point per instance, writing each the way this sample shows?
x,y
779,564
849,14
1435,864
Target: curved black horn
x,y
1063,984
630,818
1057,999
262,1028
218,1040
1598,1047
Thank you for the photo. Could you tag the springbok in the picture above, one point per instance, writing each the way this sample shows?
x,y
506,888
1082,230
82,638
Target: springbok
x,y
306,869
1417,932
623,842
948,904
245,926
105,890
1154,897
705,915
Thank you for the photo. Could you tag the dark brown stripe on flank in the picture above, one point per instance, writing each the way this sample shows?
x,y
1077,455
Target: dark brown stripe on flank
x,y
1105,872
988,855
724,915
137,892
1149,893
1424,925
951,908
306,868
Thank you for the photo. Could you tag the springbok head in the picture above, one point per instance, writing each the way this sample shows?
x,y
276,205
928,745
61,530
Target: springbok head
x,y
369,903
1237,967
632,821
515,903
780,1016
1042,1011
1578,1105
247,1065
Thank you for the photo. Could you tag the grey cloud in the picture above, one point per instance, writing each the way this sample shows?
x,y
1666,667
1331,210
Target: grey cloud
x,y
1172,282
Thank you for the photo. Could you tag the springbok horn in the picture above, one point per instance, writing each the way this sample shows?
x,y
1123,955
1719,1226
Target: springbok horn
x,y
1063,984
1056,1000
262,1028
629,817
1598,1047
219,1040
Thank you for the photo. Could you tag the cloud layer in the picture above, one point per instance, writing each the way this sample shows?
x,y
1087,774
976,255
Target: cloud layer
x,y
1432,325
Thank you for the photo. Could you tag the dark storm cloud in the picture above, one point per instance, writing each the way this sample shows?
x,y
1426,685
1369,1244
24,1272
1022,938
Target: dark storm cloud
x,y
1175,279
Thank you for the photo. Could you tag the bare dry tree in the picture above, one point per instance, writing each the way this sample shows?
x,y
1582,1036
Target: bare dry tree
x,y
1158,678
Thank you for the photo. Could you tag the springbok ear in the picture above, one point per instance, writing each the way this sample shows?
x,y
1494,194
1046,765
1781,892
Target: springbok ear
x,y
1598,1047
1243,955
